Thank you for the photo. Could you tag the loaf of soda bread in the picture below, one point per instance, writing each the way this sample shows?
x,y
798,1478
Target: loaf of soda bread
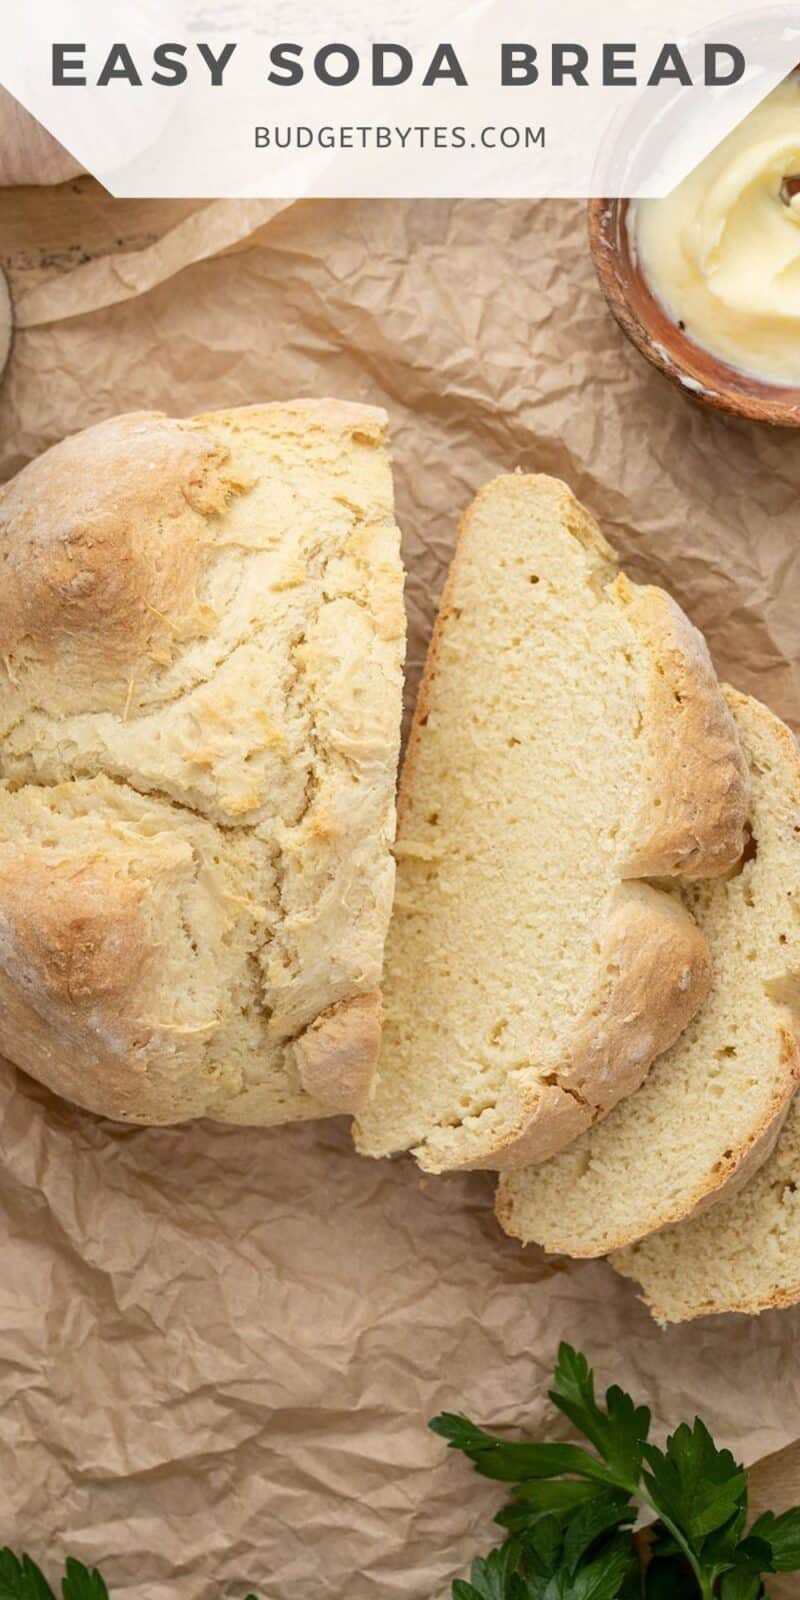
x,y
201,647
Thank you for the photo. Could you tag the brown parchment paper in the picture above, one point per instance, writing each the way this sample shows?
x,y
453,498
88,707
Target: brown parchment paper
x,y
219,1348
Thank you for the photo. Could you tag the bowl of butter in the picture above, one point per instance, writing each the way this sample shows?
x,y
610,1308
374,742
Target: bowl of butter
x,y
706,281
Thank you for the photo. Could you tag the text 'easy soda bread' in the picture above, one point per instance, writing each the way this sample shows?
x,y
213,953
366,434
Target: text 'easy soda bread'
x,y
570,741
201,644
710,1110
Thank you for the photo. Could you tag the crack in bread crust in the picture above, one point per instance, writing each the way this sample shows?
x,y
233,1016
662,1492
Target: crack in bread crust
x,y
213,663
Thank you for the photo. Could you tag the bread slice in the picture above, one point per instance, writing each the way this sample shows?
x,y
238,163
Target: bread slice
x,y
569,741
201,631
711,1109
742,1255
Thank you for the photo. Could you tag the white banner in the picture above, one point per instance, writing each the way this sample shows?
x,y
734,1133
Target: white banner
x,y
498,98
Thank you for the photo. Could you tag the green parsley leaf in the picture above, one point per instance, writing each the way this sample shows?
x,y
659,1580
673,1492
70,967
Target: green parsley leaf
x,y
541,1548
693,1484
720,1548
618,1433
604,1578
740,1565
561,1494
22,1580
493,1577
81,1584
739,1584
541,1496
782,1534
512,1462
601,1516
571,1515
670,1579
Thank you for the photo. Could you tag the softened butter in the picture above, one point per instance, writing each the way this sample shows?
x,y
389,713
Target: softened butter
x,y
722,252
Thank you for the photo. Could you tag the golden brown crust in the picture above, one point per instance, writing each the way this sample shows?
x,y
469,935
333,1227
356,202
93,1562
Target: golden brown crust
x,y
76,926
693,826
742,1160
101,541
750,1306
201,631
734,1172
74,954
347,417
336,1057
731,1173
653,976
688,1305
504,1211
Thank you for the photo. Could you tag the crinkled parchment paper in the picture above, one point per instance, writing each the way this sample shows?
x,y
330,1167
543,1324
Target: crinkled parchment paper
x,y
219,1348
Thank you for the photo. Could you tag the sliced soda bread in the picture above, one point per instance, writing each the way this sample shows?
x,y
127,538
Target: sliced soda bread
x,y
570,739
711,1109
742,1255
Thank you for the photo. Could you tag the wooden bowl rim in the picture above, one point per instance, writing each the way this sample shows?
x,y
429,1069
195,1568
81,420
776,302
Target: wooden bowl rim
x,y
773,405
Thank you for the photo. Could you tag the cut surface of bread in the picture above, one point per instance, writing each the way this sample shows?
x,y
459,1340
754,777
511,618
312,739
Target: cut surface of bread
x,y
201,638
710,1110
570,739
741,1255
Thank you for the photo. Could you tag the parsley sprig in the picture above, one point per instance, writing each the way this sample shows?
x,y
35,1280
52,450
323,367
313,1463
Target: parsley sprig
x,y
569,1525
21,1579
